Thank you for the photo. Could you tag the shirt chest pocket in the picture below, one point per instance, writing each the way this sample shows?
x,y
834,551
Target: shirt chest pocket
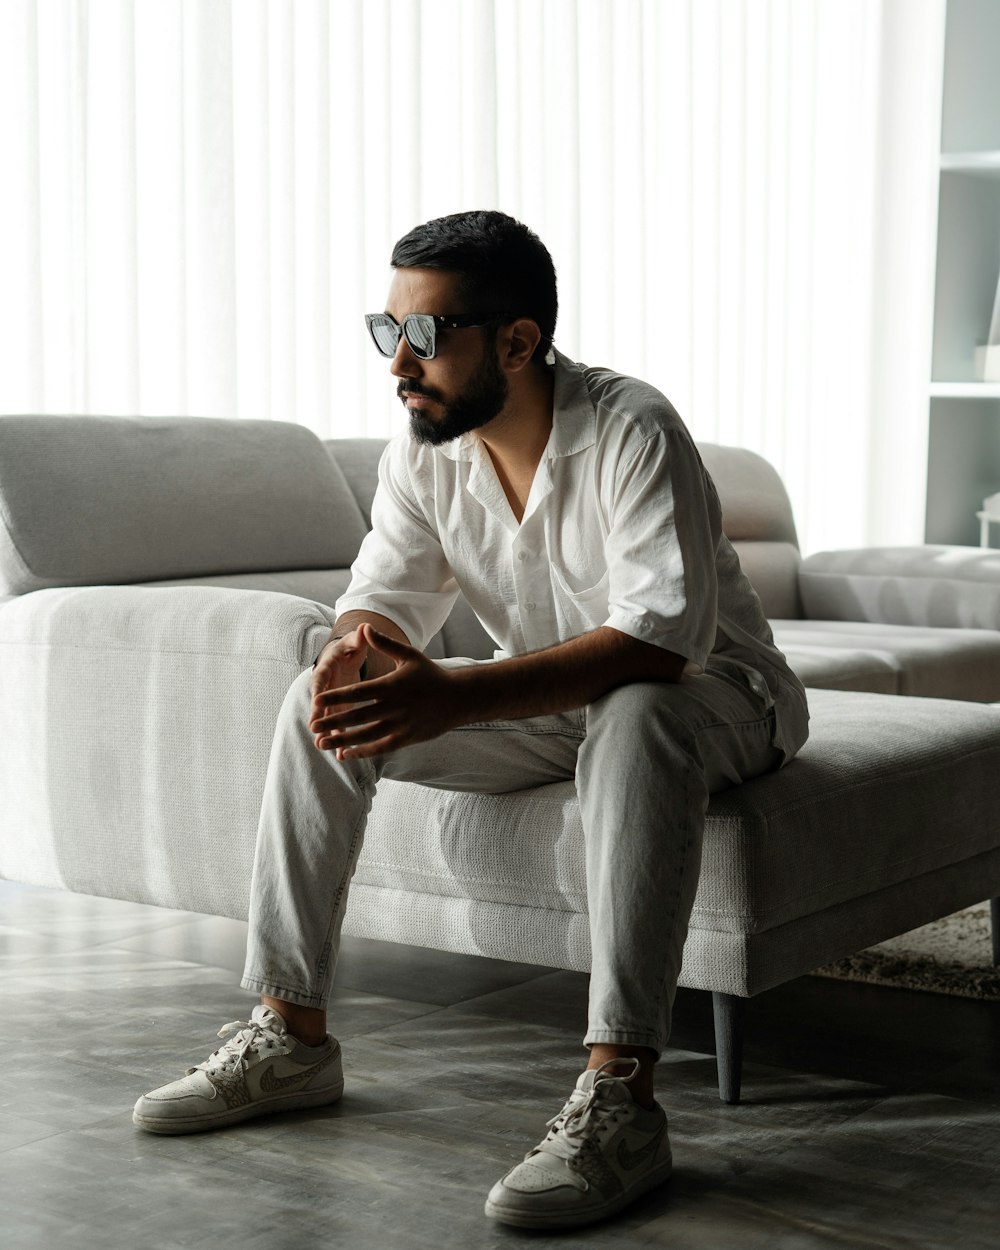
x,y
580,608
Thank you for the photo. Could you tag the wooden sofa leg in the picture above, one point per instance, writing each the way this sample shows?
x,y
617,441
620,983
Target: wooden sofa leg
x,y
995,927
728,1010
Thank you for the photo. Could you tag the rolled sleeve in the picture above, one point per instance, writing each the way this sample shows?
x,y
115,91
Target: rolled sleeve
x,y
665,528
401,571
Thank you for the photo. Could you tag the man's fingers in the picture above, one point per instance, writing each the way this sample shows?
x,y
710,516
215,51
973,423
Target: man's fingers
x,y
361,692
382,747
336,673
347,652
358,736
382,642
343,718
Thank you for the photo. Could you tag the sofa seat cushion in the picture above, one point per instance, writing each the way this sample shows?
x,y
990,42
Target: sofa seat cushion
x,y
885,791
893,659
944,586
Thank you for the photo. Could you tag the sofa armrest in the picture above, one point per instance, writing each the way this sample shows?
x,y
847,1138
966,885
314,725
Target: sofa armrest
x,y
137,725
938,586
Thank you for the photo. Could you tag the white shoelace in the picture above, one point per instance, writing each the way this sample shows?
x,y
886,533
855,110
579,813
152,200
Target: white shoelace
x,y
586,1113
252,1038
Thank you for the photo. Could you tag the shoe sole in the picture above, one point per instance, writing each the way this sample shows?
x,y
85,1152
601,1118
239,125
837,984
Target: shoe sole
x,y
573,1217
176,1125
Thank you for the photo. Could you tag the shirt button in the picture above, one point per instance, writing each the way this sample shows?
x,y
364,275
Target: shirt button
x,y
530,607
522,555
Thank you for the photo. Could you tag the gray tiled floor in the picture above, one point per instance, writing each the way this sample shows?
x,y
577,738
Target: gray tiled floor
x,y
871,1117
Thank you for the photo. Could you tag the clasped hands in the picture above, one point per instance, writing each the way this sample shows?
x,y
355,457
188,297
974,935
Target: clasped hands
x,y
356,719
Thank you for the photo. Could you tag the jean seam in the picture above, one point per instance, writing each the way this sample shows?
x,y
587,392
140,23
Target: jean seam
x,y
664,1035
757,722
624,1037
539,731
263,986
323,962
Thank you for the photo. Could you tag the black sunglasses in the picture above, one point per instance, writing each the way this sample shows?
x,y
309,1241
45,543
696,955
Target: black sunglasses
x,y
420,330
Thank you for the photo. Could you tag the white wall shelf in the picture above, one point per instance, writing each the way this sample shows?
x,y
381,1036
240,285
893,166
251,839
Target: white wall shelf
x,y
965,390
986,164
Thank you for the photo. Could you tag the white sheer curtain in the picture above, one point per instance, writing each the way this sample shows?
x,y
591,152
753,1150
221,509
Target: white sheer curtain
x,y
199,198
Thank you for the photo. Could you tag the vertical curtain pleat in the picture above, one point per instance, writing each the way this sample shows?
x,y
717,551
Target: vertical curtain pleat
x,y
54,222
201,197
281,242
110,208
667,253
255,308
161,232
313,263
21,313
347,231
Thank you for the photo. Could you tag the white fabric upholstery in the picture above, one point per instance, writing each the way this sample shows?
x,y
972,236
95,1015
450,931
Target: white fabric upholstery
x,y
321,585
869,805
138,702
893,659
942,587
755,504
842,668
102,500
773,570
136,726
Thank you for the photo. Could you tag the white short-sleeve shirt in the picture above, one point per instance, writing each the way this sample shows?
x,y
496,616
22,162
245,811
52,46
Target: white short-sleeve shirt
x,y
622,528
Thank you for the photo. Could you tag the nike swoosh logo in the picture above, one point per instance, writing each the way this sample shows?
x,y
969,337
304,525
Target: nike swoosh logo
x,y
629,1159
272,1084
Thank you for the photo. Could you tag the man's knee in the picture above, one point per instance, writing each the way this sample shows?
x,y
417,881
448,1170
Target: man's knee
x,y
299,689
639,718
297,698
637,703
295,707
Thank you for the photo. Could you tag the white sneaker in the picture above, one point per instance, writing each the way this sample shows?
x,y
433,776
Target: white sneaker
x,y
262,1069
602,1151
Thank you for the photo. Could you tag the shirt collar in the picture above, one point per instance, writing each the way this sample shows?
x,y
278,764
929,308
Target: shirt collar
x,y
573,418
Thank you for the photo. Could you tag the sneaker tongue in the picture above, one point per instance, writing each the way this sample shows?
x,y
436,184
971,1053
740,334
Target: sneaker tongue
x,y
268,1018
612,1089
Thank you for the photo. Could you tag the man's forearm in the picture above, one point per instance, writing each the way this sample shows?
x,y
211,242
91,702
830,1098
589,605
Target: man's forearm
x,y
419,700
569,675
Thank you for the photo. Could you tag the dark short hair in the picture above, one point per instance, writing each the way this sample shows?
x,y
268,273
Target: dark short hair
x,y
502,266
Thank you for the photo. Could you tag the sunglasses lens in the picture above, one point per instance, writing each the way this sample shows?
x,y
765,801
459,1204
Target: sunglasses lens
x,y
385,332
419,331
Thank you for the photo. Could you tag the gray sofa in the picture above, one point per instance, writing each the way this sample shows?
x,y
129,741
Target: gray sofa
x,y
162,582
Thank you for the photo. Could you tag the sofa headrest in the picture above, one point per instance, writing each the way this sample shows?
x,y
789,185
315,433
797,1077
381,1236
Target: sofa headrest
x,y
755,504
105,500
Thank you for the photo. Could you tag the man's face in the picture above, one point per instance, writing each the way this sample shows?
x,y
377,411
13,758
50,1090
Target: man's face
x,y
463,388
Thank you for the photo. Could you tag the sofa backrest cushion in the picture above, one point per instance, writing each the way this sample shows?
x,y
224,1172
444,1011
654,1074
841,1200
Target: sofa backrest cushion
x,y
358,458
106,500
755,504
757,519
756,513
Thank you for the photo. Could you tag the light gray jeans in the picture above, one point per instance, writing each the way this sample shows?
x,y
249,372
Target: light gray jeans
x,y
645,759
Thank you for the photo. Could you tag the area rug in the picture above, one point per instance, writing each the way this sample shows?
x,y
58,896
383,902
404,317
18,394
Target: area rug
x,y
950,956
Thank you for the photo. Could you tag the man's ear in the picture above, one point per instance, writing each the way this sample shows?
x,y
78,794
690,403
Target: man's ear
x,y
517,342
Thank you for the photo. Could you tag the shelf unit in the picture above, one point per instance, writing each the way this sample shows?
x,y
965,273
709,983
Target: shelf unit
x,y
963,464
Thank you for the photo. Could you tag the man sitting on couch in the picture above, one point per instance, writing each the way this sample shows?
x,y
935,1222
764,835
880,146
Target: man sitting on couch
x,y
570,507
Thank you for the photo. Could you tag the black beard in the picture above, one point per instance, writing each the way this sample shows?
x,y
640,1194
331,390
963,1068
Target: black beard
x,y
484,400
